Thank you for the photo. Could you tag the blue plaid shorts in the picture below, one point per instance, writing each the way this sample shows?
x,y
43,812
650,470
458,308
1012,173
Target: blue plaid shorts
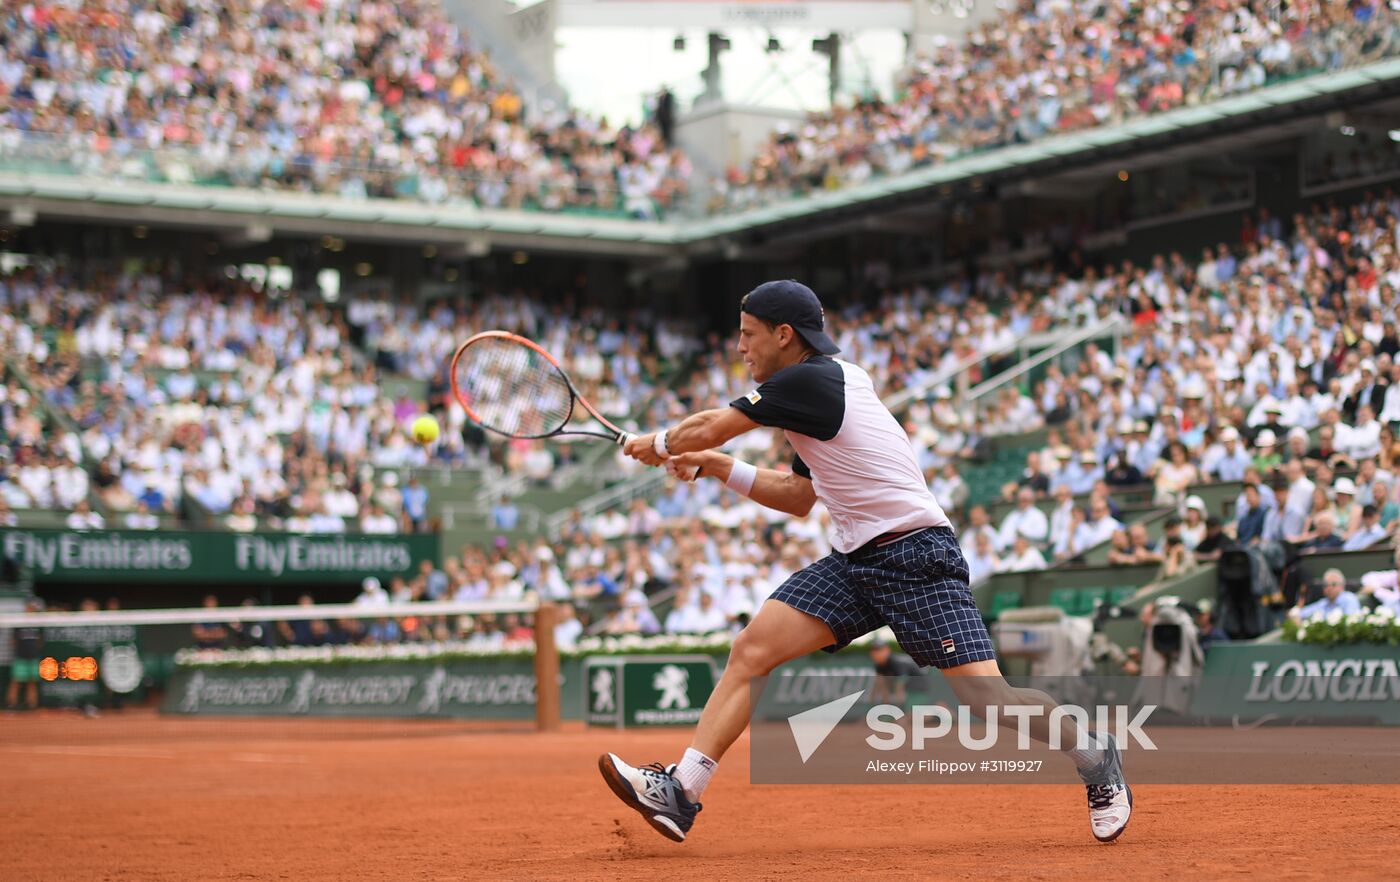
x,y
918,585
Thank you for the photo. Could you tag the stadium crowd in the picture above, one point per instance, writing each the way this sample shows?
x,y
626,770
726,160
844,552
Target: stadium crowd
x,y
367,99
1272,362
1050,67
262,410
358,98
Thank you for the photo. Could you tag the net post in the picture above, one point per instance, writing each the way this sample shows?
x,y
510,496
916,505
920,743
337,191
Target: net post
x,y
546,669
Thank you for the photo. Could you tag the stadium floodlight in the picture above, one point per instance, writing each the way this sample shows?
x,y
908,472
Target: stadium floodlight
x,y
1394,134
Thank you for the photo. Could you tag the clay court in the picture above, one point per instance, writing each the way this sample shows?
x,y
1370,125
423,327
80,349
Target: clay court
x,y
134,796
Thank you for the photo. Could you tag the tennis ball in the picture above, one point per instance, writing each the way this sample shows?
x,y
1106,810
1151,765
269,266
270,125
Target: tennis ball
x,y
425,430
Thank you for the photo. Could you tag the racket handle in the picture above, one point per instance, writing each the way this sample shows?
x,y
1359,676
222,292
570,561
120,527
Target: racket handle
x,y
683,473
623,438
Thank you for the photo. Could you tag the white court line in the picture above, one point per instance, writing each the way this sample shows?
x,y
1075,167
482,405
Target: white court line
x,y
104,752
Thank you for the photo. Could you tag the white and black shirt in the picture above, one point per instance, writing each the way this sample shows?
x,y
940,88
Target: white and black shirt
x,y
861,463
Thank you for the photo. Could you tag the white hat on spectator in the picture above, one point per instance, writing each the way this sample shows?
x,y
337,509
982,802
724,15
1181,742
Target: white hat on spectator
x,y
1140,426
1273,407
370,584
1229,433
1088,456
1297,432
1266,438
1344,485
1063,452
1368,365
1197,503
1125,426
544,552
390,479
1195,389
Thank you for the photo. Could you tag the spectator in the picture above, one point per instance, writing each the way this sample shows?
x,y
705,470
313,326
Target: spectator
x,y
895,673
634,616
1297,505
1368,532
1122,473
978,524
1345,511
415,505
1213,543
1023,557
1193,527
949,488
1384,585
1025,520
1335,598
505,515
1177,560
568,629
1208,630
140,519
982,560
1175,475
82,517
372,594
27,648
1099,526
1323,536
1230,461
241,519
1122,551
376,521
212,634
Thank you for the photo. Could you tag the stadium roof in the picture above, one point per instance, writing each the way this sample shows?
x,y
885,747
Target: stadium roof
x,y
257,213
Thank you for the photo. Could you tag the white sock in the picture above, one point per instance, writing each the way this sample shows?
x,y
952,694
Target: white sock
x,y
693,772
1088,757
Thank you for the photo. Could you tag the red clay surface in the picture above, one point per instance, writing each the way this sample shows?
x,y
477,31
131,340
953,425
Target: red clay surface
x,y
133,796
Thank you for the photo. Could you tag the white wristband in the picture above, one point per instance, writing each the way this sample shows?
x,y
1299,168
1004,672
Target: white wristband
x,y
658,444
741,477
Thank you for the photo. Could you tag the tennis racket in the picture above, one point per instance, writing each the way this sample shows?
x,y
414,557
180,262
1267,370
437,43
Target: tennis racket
x,y
513,387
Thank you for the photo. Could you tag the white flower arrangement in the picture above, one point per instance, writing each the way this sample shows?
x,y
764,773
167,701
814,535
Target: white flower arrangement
x,y
1378,626
627,644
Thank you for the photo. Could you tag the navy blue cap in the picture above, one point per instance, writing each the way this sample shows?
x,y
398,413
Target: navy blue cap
x,y
787,302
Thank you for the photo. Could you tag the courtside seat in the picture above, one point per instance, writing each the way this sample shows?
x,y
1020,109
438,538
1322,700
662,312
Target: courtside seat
x,y
1004,600
1088,598
1066,599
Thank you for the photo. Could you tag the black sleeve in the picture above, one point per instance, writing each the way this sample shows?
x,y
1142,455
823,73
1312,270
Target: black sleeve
x,y
799,468
808,398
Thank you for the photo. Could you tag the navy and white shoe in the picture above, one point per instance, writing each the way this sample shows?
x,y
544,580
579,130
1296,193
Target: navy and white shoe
x,y
654,791
1110,797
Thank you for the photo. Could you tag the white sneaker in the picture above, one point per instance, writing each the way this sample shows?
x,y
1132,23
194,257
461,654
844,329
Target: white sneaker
x,y
654,792
1110,797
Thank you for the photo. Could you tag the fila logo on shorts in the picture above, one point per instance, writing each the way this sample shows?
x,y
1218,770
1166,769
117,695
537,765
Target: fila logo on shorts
x,y
948,647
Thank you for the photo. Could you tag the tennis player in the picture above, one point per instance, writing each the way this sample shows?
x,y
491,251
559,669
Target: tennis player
x,y
896,560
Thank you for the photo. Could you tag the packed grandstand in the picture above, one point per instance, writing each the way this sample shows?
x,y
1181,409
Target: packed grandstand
x,y
366,99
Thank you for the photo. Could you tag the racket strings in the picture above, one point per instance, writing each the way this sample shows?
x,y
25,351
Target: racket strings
x,y
513,389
